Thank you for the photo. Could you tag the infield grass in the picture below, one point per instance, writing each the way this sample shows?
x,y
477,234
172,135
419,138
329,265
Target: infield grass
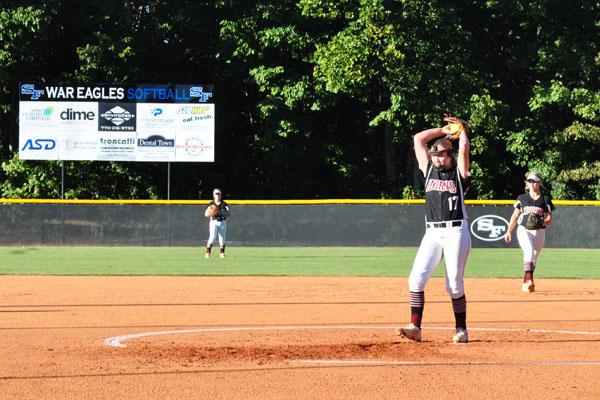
x,y
286,261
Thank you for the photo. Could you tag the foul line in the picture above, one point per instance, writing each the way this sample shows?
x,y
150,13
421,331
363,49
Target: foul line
x,y
117,341
433,363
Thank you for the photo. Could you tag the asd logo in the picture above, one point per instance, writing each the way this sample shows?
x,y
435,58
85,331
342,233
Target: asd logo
x,y
198,92
70,115
29,89
156,111
489,228
39,144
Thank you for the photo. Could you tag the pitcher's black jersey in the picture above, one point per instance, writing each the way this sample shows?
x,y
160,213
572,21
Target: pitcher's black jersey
x,y
527,205
444,194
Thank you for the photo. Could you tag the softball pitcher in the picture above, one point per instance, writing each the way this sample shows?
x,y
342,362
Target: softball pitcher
x,y
447,231
217,211
533,213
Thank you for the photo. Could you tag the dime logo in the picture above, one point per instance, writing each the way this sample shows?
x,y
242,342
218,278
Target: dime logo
x,y
70,115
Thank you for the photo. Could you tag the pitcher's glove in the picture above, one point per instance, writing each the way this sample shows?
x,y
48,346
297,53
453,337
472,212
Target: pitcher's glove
x,y
454,127
534,221
212,211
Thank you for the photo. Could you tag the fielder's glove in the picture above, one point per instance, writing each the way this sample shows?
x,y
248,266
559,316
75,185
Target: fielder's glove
x,y
213,211
534,221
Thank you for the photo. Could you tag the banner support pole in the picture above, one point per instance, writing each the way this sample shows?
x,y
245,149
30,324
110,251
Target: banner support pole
x,y
62,180
168,208
168,180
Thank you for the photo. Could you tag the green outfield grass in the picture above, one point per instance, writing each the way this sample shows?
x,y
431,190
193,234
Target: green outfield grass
x,y
289,261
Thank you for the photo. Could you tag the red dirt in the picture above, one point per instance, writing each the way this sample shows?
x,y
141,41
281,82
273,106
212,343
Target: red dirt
x,y
53,329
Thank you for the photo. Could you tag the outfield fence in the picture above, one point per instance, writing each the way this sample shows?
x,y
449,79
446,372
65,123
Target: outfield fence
x,y
270,223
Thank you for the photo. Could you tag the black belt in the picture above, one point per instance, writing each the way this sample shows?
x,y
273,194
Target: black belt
x,y
445,224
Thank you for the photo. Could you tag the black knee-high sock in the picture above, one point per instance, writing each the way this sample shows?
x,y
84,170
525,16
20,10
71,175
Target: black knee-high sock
x,y
460,311
417,303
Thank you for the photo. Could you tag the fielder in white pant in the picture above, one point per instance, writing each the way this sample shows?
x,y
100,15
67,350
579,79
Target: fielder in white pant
x,y
218,223
447,232
531,241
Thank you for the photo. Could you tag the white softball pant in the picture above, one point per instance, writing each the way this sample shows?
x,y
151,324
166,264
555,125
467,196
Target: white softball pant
x,y
531,242
217,228
453,244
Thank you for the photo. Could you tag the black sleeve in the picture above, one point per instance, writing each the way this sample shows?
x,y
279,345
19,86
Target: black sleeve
x,y
549,204
519,203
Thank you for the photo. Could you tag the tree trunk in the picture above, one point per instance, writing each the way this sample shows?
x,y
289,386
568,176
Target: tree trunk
x,y
391,165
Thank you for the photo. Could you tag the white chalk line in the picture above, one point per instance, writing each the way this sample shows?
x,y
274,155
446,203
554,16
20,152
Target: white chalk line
x,y
117,341
433,363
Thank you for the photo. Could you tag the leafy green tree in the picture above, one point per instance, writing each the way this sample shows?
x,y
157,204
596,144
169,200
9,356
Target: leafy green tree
x,y
320,98
558,132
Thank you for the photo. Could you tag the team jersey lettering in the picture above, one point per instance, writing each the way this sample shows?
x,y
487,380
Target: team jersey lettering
x,y
440,186
533,210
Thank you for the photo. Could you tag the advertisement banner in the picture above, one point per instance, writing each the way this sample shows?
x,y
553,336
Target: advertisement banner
x,y
146,122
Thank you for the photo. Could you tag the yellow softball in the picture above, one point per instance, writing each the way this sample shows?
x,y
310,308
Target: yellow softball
x,y
454,127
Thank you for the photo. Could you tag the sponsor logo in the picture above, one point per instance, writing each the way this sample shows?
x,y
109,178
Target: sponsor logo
x,y
200,94
39,144
29,89
116,117
489,228
71,115
76,145
194,146
194,113
154,118
156,141
39,114
193,110
120,142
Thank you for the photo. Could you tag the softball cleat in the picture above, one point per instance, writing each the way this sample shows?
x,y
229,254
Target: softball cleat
x,y
461,336
222,255
528,286
410,331
206,255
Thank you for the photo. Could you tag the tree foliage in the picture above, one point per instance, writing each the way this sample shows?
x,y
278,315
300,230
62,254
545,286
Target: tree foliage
x,y
320,98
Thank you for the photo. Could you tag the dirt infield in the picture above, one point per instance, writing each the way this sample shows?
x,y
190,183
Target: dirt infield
x,y
279,337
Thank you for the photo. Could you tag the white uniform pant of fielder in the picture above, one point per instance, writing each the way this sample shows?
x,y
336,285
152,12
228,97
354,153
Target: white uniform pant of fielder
x,y
217,228
454,245
531,242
